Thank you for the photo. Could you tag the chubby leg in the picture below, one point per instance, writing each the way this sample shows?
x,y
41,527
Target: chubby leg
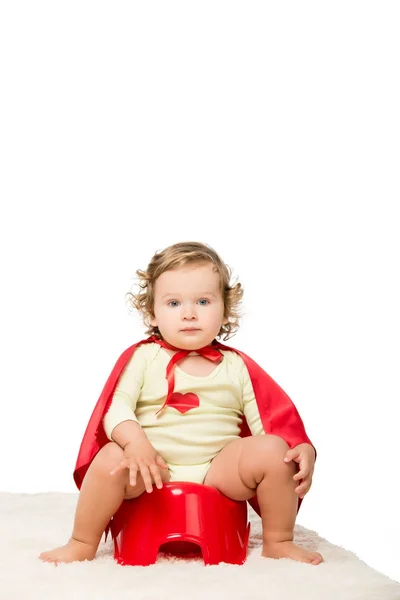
x,y
255,465
100,497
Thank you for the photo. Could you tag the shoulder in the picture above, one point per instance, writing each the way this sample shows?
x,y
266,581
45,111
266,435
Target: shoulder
x,y
245,368
232,357
144,353
234,362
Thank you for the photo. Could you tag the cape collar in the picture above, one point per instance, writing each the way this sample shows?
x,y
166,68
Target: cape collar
x,y
209,352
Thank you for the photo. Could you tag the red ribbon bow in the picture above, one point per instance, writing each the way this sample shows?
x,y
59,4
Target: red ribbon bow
x,y
206,351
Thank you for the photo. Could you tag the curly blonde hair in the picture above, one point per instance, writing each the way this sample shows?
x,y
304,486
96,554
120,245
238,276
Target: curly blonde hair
x,y
175,256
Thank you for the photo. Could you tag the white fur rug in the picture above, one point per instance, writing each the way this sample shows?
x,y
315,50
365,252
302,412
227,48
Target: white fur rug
x,y
31,523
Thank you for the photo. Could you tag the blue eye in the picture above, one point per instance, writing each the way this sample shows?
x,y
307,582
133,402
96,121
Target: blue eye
x,y
171,303
202,302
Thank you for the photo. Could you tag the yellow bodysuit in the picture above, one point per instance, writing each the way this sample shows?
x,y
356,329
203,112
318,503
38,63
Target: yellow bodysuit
x,y
188,442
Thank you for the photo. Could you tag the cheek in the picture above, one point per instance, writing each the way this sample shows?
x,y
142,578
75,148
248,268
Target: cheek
x,y
165,315
218,315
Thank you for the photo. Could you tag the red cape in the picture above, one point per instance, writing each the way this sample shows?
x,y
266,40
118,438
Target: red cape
x,y
278,414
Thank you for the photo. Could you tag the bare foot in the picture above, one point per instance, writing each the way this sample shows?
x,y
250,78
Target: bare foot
x,y
290,550
73,551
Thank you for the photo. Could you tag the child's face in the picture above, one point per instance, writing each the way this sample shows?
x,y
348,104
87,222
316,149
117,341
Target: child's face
x,y
189,296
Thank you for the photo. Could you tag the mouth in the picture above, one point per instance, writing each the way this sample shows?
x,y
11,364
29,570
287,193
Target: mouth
x,y
190,329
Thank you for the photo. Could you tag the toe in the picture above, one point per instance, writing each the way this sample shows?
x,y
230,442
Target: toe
x,y
317,559
48,559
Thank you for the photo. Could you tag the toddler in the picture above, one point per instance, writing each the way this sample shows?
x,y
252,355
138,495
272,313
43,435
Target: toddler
x,y
181,406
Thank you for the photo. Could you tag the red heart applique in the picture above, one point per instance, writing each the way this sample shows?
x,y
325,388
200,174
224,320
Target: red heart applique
x,y
183,402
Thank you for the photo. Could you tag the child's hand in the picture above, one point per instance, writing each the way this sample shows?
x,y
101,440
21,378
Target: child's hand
x,y
304,454
141,456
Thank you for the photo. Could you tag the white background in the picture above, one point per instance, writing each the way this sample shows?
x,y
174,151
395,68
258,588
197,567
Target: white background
x,y
271,133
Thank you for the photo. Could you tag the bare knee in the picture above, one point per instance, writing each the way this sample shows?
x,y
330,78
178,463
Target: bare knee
x,y
264,454
108,457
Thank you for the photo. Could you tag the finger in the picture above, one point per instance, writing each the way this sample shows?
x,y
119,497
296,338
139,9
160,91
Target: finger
x,y
133,470
161,462
302,474
303,488
304,468
154,470
147,480
122,465
304,464
292,455
302,493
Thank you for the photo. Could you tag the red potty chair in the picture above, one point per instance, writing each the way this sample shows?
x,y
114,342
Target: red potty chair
x,y
182,517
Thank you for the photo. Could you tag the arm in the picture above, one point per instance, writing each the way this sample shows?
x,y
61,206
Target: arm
x,y
126,432
268,409
302,453
140,457
250,406
120,422
121,426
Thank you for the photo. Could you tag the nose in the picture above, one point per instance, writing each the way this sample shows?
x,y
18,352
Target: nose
x,y
188,312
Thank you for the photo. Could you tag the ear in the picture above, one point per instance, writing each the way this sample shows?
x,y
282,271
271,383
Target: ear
x,y
153,322
225,320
